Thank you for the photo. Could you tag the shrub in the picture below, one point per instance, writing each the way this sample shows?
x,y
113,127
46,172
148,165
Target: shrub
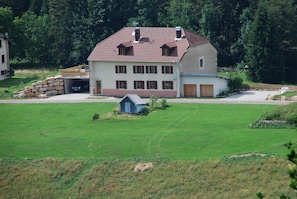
x,y
95,116
235,82
281,117
145,111
164,104
115,111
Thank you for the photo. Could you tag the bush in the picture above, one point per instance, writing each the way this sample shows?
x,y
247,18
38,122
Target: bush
x,y
145,111
164,104
95,116
286,116
115,111
235,82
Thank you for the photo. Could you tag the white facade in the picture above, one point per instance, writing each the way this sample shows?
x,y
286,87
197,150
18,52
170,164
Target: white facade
x,y
105,73
4,57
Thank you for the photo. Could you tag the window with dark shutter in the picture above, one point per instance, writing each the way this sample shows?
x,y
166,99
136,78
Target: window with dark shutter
x,y
120,69
151,69
138,84
152,85
167,84
138,69
167,69
121,84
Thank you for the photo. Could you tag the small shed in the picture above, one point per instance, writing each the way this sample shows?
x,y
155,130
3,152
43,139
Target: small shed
x,y
131,103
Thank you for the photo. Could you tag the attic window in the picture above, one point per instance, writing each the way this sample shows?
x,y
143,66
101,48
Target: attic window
x,y
165,51
124,48
168,48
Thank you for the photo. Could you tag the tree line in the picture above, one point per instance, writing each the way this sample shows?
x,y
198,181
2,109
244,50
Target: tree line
x,y
260,34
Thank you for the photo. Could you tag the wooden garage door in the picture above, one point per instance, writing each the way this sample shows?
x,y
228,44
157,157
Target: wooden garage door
x,y
206,90
190,90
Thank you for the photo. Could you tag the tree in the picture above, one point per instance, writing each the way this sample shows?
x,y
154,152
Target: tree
x,y
271,49
18,7
80,32
221,24
34,38
146,14
6,19
7,25
60,31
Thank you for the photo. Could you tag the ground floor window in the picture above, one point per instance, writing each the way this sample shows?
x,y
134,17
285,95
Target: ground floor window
x,y
3,72
138,84
121,84
152,85
167,84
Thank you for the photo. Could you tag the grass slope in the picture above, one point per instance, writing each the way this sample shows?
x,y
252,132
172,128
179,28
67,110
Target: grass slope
x,y
182,132
58,178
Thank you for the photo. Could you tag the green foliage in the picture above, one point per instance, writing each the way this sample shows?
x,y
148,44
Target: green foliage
x,y
222,27
260,195
115,111
282,117
270,54
235,82
164,104
145,111
5,19
156,103
95,116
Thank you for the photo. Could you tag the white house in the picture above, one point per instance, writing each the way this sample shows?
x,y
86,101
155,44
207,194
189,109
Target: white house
x,y
4,57
166,62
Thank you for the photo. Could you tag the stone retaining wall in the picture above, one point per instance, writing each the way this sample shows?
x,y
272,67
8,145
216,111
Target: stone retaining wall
x,y
42,89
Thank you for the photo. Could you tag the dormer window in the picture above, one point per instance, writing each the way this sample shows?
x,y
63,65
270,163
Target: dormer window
x,y
122,51
168,48
165,51
124,48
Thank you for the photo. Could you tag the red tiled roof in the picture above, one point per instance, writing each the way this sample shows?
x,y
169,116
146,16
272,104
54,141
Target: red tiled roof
x,y
169,45
148,48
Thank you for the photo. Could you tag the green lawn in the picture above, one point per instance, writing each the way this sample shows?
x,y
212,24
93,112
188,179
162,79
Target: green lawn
x,y
182,132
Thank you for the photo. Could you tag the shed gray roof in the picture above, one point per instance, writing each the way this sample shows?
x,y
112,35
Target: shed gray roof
x,y
134,98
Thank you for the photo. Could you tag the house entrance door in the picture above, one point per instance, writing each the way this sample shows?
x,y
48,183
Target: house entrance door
x,y
98,87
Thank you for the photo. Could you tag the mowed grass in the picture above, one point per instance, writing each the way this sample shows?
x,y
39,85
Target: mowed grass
x,y
58,151
186,132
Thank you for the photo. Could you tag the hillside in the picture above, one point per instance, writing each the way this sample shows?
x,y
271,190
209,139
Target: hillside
x,y
95,178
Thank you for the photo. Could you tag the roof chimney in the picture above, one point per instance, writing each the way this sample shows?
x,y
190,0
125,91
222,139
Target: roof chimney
x,y
137,34
178,32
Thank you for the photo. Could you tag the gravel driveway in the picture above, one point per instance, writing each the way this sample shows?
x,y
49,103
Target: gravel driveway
x,y
252,95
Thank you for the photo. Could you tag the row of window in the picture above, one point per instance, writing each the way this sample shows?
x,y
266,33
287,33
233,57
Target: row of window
x,y
148,69
141,84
